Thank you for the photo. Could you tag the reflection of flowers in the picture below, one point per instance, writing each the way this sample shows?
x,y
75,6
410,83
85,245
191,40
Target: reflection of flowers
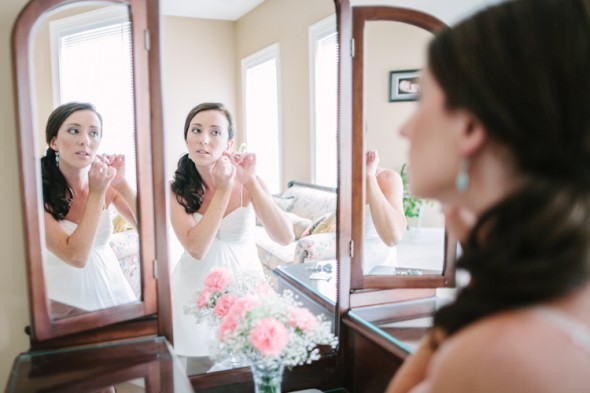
x,y
258,325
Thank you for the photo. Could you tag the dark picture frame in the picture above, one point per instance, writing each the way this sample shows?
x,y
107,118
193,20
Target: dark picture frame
x,y
403,85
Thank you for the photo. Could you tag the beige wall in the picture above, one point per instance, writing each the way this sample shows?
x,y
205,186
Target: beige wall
x,y
14,301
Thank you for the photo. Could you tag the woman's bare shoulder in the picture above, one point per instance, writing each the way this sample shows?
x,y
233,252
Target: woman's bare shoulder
x,y
509,352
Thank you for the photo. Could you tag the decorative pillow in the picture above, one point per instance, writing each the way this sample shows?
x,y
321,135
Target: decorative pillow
x,y
300,224
324,224
285,203
120,224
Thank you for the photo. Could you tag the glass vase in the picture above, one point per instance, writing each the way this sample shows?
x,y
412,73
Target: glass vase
x,y
267,379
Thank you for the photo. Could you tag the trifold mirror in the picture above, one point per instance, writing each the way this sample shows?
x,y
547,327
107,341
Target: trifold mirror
x,y
389,51
105,63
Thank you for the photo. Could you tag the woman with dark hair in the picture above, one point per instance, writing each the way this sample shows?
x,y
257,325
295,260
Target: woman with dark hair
x,y
78,187
501,137
215,199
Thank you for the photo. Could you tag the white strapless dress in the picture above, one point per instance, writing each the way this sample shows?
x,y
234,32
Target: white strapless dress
x,y
233,248
98,285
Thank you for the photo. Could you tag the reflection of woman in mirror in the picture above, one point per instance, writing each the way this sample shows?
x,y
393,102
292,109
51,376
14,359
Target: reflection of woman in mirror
x,y
513,174
385,221
78,188
215,199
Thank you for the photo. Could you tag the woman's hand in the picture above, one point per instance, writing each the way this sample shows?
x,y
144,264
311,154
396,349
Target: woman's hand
x,y
372,162
245,164
100,175
117,162
223,173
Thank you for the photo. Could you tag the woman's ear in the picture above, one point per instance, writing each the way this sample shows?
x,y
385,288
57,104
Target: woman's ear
x,y
230,143
472,135
53,144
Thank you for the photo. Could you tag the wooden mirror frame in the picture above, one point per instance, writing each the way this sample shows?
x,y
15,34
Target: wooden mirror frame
x,y
47,332
401,287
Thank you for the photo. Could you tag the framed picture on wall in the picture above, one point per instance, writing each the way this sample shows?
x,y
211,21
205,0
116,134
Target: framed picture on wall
x,y
403,85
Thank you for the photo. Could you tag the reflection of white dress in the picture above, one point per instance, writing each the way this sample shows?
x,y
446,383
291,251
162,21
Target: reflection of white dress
x,y
233,248
100,284
377,253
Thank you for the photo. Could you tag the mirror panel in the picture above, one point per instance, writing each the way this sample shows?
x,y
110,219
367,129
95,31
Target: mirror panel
x,y
197,71
397,47
36,96
390,45
89,49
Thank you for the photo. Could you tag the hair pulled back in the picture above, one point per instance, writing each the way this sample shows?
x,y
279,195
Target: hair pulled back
x,y
57,194
519,68
187,184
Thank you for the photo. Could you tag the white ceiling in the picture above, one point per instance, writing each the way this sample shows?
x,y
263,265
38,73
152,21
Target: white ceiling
x,y
208,9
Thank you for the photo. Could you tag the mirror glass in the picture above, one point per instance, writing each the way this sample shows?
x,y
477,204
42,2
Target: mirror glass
x,y
394,53
227,59
83,52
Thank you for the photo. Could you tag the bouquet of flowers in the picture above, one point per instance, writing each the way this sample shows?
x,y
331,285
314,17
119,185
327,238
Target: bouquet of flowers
x,y
257,325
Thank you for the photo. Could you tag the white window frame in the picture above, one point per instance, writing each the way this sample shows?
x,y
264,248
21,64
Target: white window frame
x,y
74,24
269,53
317,31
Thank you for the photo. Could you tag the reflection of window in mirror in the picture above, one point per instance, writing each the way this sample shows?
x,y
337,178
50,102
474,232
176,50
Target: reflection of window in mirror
x,y
261,113
323,64
391,46
92,62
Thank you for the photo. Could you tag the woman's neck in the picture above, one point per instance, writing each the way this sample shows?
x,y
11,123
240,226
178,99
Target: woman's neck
x,y
77,178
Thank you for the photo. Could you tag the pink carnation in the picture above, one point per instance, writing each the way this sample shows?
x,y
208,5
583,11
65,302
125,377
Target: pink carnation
x,y
234,315
269,337
223,304
218,279
204,298
302,318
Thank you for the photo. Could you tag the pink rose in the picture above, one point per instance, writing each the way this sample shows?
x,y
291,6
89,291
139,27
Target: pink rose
x,y
269,337
303,319
223,304
204,298
218,279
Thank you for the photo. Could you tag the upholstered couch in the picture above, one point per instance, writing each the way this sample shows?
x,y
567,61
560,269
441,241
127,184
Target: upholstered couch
x,y
125,243
312,211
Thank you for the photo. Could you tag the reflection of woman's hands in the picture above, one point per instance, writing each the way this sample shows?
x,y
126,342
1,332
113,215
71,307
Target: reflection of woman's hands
x,y
117,162
100,175
372,162
223,173
245,164
459,221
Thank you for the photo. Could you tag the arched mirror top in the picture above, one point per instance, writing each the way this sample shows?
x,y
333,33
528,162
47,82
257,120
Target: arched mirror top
x,y
390,48
36,96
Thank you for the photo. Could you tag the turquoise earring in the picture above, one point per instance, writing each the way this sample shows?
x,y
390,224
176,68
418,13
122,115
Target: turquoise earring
x,y
462,178
57,158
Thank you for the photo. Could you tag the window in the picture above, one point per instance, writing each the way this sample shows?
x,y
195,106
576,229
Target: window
x,y
323,48
260,87
92,62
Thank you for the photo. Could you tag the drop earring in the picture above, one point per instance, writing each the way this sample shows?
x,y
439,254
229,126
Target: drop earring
x,y
57,159
462,178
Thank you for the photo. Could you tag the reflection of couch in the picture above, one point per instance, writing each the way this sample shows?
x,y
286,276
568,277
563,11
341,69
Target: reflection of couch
x,y
125,243
312,211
